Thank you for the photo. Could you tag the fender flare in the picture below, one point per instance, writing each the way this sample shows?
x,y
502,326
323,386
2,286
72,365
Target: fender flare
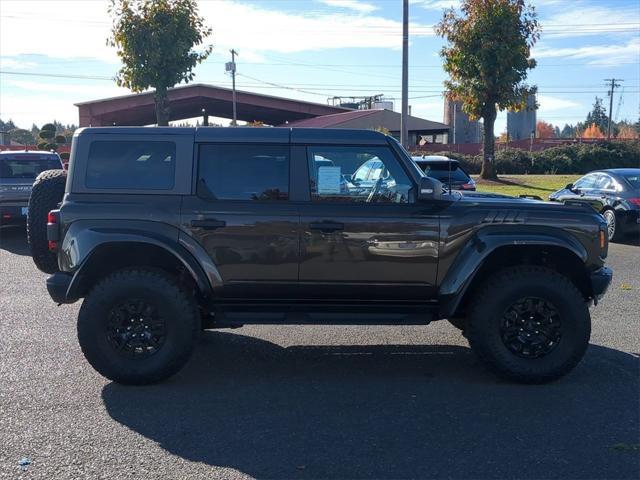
x,y
473,256
81,247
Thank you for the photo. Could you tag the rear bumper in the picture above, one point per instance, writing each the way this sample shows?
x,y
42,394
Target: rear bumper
x,y
629,221
600,281
13,213
58,286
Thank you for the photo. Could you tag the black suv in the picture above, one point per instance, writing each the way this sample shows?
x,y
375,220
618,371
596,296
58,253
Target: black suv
x,y
166,231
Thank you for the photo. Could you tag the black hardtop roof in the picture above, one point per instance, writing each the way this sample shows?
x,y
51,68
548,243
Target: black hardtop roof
x,y
252,134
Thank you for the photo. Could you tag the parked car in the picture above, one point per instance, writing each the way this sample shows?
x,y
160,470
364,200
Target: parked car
x,y
445,168
614,193
18,170
165,231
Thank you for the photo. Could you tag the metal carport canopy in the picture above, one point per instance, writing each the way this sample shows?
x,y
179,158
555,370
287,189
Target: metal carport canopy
x,y
189,100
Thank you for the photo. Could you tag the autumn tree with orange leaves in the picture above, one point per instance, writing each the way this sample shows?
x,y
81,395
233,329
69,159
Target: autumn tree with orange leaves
x,y
592,131
545,130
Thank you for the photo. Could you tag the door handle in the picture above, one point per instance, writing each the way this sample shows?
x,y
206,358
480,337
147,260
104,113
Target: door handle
x,y
208,224
326,227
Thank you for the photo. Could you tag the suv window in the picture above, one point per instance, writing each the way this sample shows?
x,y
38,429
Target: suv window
x,y
135,165
357,174
245,172
27,166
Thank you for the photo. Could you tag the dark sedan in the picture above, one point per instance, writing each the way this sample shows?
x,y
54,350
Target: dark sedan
x,y
615,193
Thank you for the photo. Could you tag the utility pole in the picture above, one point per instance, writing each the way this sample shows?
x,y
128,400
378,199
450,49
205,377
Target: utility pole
x,y
404,119
231,67
612,87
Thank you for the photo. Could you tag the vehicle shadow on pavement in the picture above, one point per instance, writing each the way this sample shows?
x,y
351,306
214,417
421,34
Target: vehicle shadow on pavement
x,y
13,238
386,411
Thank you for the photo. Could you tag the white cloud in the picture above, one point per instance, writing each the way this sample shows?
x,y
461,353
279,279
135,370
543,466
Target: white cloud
x,y
436,4
596,55
13,64
27,109
552,104
77,91
584,20
354,5
81,31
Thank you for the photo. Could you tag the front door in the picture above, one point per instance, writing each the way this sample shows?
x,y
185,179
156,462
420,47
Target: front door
x,y
243,219
363,234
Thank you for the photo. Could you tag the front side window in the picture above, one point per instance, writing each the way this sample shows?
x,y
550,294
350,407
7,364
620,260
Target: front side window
x,y
357,174
131,165
244,172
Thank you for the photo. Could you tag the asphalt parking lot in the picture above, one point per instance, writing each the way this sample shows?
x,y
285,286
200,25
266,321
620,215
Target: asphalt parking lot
x,y
313,402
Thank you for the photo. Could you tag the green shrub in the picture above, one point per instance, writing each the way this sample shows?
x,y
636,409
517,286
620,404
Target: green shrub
x,y
564,159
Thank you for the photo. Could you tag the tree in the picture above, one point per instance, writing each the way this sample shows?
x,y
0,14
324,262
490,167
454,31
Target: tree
x,y
598,116
627,131
545,130
592,131
49,140
22,136
487,59
155,40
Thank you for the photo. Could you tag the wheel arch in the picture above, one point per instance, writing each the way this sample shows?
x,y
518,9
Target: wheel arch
x,y
109,256
484,256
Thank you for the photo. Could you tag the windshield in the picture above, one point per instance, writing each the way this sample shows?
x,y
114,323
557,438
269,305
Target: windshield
x,y
27,166
634,181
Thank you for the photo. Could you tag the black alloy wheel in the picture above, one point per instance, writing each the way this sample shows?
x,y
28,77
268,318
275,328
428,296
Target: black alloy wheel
x,y
531,327
135,328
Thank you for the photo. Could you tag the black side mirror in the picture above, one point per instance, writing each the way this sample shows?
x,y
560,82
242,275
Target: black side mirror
x,y
430,189
569,186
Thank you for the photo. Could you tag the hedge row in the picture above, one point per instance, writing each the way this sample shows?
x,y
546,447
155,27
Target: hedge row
x,y
566,159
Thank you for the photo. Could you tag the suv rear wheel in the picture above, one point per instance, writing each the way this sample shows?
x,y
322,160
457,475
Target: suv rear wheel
x,y
529,324
138,326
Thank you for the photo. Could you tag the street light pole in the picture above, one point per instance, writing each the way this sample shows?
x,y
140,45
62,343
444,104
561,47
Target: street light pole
x,y
404,118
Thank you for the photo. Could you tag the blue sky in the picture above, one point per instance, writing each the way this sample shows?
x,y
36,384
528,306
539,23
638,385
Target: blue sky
x,y
316,49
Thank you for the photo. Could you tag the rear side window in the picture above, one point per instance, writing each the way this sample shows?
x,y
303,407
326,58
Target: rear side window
x,y
135,165
244,172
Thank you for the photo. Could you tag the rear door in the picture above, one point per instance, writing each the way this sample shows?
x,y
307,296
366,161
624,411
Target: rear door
x,y
363,235
243,218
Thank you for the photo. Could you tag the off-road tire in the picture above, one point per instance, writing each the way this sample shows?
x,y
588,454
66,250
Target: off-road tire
x,y
46,195
489,304
178,309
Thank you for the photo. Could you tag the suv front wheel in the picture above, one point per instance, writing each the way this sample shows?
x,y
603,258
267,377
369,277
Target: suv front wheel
x,y
529,324
138,326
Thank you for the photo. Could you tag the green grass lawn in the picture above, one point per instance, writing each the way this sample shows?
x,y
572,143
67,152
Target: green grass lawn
x,y
540,185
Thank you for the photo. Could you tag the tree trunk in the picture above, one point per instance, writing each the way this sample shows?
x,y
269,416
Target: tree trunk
x,y
488,171
162,107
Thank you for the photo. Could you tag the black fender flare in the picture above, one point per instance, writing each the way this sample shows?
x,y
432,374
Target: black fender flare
x,y
474,254
83,243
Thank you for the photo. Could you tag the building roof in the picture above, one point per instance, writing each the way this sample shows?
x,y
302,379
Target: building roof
x,y
188,101
371,119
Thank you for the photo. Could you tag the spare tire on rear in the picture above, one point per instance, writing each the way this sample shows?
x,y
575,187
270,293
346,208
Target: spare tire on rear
x,y
46,195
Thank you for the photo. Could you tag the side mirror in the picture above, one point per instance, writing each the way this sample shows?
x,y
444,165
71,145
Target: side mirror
x,y
429,189
569,186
